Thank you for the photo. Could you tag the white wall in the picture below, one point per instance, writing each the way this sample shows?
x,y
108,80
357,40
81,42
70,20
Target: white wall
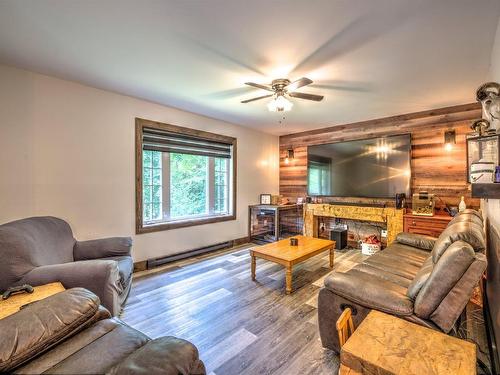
x,y
67,150
495,57
491,207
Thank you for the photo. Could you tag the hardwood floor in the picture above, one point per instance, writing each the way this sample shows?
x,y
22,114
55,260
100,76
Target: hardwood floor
x,y
239,326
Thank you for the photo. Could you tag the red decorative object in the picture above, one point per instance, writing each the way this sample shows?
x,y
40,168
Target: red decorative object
x,y
372,240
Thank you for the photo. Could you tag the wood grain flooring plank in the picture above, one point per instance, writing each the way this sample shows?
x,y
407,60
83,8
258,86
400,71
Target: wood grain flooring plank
x,y
228,348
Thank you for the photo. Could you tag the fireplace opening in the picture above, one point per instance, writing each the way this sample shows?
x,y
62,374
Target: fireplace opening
x,y
357,230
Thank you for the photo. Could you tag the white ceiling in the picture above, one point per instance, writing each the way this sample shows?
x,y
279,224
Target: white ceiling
x,y
370,58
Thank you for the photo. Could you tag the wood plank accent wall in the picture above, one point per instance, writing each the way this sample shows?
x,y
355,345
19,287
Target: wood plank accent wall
x,y
441,172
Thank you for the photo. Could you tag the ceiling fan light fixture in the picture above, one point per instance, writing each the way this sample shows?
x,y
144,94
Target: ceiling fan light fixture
x,y
279,104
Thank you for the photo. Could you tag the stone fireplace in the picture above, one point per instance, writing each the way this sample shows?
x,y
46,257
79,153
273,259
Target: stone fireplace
x,y
390,216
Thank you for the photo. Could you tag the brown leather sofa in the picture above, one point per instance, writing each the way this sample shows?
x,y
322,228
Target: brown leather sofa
x,y
70,333
41,250
421,279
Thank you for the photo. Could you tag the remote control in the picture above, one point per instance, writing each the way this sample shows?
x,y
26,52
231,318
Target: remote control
x,y
17,289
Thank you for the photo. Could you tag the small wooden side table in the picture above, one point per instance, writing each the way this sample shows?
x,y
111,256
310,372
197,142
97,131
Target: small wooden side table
x,y
13,303
384,344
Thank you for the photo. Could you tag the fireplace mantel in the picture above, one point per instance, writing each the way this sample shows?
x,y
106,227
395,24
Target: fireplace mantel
x,y
391,216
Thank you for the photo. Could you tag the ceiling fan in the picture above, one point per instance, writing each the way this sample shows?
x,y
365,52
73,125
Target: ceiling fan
x,y
281,88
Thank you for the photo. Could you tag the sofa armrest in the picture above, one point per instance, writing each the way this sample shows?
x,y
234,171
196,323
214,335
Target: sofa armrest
x,y
102,248
45,323
99,276
165,355
370,291
416,240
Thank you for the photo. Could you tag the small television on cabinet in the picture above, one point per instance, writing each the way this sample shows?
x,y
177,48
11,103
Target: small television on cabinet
x,y
368,168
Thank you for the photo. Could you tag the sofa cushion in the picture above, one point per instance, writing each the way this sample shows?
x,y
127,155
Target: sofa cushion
x,y
403,257
416,240
44,324
470,211
398,265
383,274
370,291
400,250
165,355
412,254
468,217
95,350
420,278
455,301
468,232
445,273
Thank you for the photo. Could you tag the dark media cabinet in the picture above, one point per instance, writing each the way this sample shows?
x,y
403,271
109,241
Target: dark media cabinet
x,y
269,223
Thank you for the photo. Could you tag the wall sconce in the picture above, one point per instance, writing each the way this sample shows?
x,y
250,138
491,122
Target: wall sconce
x,y
449,139
289,155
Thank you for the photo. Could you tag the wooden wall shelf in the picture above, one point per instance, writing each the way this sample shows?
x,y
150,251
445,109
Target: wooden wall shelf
x,y
486,190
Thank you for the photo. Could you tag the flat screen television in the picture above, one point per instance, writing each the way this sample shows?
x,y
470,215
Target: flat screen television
x,y
369,168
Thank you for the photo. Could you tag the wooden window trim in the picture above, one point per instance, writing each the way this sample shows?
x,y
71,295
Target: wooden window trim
x,y
140,124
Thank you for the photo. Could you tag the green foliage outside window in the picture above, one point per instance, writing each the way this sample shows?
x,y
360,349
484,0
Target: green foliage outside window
x,y
220,185
151,185
188,188
188,185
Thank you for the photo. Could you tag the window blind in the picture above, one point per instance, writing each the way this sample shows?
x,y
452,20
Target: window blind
x,y
164,141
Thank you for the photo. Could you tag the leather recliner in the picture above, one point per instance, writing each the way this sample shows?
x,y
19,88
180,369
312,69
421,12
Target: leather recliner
x,y
41,250
418,278
70,333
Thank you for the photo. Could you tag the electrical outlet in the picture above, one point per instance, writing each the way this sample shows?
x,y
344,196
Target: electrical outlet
x,y
383,233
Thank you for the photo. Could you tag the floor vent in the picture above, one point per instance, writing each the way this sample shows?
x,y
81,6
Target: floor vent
x,y
151,263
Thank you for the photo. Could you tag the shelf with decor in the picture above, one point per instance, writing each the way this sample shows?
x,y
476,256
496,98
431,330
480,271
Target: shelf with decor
x,y
483,165
490,190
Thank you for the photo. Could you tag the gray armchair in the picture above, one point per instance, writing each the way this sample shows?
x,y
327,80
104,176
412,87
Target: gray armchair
x,y
41,250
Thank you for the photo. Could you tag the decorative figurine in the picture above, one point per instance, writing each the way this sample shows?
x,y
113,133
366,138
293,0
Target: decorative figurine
x,y
480,127
488,95
462,206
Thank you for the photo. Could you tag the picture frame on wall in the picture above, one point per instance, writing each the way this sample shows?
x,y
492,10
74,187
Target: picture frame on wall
x,y
265,199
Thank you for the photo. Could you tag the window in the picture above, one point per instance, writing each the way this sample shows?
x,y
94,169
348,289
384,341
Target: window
x,y
152,185
184,177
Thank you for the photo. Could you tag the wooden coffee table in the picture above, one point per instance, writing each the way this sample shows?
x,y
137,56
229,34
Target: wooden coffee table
x,y
283,253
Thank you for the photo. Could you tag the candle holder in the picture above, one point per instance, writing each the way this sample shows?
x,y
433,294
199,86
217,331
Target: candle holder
x,y
294,242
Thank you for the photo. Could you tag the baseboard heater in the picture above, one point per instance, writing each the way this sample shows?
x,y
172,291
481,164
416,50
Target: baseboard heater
x,y
151,263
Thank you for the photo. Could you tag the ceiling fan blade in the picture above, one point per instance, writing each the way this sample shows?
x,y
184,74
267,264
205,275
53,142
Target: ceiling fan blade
x,y
259,86
257,98
297,84
302,95
231,93
341,85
